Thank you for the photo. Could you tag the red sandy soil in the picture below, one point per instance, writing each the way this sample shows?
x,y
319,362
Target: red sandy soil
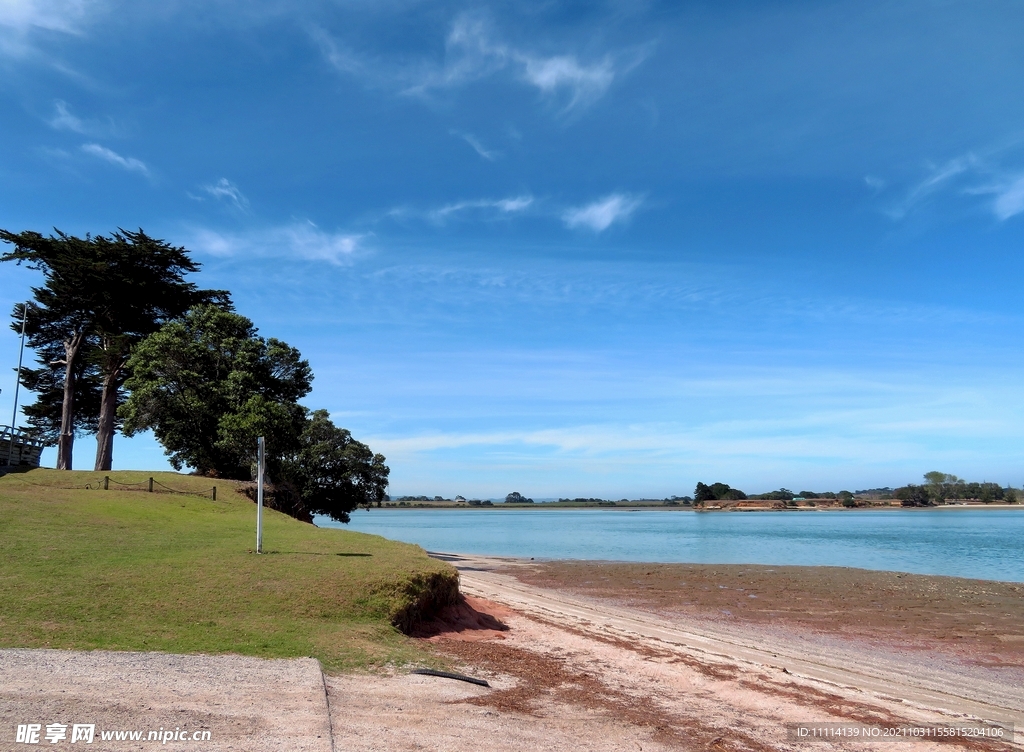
x,y
601,684
470,620
976,620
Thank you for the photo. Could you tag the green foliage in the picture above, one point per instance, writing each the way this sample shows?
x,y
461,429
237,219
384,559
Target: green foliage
x,y
517,498
942,486
913,496
208,386
783,494
100,296
716,492
333,472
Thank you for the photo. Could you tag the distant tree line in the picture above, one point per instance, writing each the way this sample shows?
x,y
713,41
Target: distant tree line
x,y
591,501
940,487
122,339
716,492
704,493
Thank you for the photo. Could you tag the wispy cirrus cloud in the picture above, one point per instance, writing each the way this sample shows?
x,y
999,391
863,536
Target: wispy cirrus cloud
x,y
603,213
63,120
939,177
20,18
1008,191
1010,198
473,52
131,164
584,83
489,154
55,15
970,174
296,240
225,190
493,207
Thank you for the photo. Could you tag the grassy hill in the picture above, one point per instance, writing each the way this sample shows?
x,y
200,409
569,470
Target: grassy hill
x,y
85,568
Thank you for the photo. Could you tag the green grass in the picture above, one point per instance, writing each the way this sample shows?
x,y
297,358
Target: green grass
x,y
127,570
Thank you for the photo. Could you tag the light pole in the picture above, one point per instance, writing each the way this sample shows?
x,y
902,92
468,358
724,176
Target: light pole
x,y
17,383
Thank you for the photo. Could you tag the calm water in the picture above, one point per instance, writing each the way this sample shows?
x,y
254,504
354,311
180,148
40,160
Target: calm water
x,y
982,543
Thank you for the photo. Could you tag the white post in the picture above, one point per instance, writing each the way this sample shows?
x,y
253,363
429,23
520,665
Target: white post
x,y
259,496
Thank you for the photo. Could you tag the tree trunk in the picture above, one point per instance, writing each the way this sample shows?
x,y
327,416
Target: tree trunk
x,y
66,441
108,417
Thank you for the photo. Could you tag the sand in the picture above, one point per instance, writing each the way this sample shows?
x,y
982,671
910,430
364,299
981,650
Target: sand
x,y
665,656
585,656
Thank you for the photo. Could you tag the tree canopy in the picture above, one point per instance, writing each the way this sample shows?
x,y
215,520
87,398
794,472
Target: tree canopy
x,y
332,472
941,486
716,492
208,386
100,296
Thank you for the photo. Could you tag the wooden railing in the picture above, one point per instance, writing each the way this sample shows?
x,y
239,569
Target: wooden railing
x,y
18,448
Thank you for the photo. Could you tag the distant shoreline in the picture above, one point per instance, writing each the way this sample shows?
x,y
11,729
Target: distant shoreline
x,y
684,508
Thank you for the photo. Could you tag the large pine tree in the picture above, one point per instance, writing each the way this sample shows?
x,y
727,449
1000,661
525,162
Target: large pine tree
x,y
100,296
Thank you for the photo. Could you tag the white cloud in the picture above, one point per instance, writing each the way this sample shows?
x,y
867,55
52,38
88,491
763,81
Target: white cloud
x,y
504,206
343,60
1009,199
225,189
1008,191
127,163
942,175
63,120
939,177
488,154
56,15
472,53
19,18
601,214
874,183
584,83
958,175
298,240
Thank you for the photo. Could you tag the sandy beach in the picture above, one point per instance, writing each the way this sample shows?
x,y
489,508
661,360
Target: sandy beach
x,y
694,656
592,656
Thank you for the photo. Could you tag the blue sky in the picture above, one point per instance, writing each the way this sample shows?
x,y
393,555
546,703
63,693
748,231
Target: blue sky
x,y
603,249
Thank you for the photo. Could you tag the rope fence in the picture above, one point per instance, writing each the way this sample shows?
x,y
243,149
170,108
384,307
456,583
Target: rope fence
x,y
150,485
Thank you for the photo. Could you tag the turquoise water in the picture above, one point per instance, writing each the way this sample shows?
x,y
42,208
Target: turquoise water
x,y
980,543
